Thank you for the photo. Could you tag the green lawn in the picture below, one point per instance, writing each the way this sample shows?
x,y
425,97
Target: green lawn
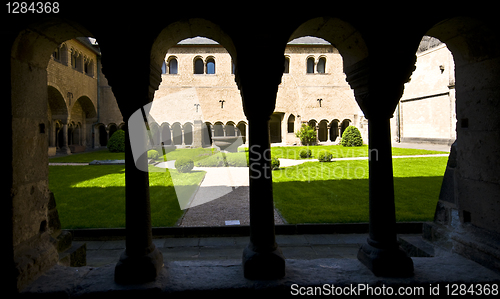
x,y
94,196
337,192
313,192
339,151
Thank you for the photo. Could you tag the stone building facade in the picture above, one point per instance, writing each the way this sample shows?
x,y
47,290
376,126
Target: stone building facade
x,y
82,110
426,111
198,80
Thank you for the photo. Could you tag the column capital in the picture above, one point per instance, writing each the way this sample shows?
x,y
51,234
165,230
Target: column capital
x,y
378,88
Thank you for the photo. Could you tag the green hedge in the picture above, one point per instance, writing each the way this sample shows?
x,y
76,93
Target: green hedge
x,y
116,143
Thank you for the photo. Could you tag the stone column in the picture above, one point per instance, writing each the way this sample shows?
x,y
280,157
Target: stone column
x,y
377,95
65,148
381,253
262,258
198,133
141,261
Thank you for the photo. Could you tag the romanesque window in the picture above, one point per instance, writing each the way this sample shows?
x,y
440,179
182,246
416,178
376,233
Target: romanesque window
x,y
198,66
56,54
310,65
287,65
291,122
172,66
321,67
210,66
76,60
89,67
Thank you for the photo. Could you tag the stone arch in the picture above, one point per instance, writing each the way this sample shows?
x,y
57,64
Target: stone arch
x,y
188,133
323,130
321,65
210,65
218,129
242,130
56,103
112,128
345,123
166,134
334,129
176,133
291,124
207,134
198,65
102,134
340,34
230,129
173,65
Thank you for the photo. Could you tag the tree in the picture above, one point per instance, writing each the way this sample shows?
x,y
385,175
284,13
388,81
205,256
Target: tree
x,y
307,134
352,137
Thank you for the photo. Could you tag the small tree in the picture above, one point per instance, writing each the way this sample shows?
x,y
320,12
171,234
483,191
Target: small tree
x,y
307,135
117,142
352,137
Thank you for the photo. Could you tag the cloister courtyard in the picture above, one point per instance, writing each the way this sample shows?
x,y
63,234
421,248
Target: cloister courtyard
x,y
305,190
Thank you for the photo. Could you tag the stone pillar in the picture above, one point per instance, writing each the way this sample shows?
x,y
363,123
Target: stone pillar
x,y
65,149
381,253
141,261
378,94
198,133
262,258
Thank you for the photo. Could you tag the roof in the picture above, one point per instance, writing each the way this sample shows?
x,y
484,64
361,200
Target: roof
x,y
308,40
305,40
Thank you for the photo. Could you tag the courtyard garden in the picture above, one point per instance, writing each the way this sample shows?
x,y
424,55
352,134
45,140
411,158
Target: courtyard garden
x,y
312,192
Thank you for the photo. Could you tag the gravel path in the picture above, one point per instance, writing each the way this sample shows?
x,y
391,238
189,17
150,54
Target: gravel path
x,y
232,206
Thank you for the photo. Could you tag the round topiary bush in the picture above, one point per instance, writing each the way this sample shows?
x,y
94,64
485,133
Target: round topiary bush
x,y
184,165
117,142
352,137
305,153
325,156
275,163
153,154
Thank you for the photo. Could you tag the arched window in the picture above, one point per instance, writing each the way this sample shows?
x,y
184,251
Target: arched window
x,y
172,66
198,66
287,65
291,123
321,68
210,66
310,65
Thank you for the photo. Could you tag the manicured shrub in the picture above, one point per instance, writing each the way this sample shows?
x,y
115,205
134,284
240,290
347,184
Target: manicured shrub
x,y
305,153
275,163
184,165
153,154
325,156
117,142
306,134
352,137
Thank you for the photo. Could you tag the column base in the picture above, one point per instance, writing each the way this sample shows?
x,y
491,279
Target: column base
x,y
138,269
386,262
263,265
